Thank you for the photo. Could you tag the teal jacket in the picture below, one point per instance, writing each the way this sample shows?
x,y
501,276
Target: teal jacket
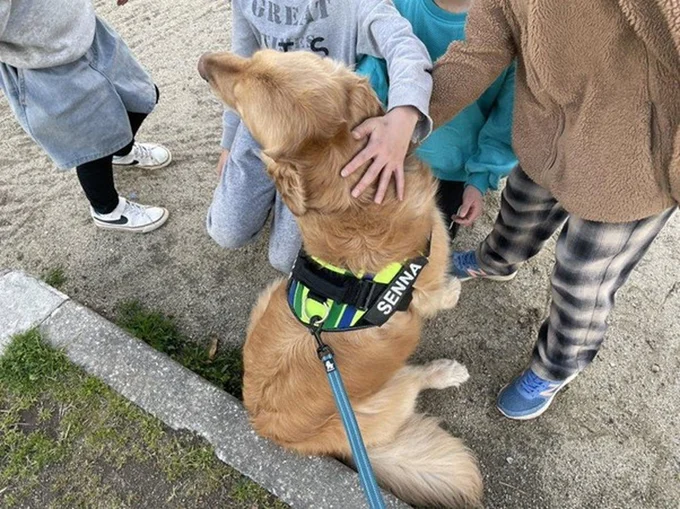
x,y
476,146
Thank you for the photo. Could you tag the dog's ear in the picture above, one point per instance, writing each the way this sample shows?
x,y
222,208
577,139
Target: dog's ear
x,y
288,180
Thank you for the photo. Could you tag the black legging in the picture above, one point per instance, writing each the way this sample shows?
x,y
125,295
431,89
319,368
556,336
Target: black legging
x,y
96,177
449,199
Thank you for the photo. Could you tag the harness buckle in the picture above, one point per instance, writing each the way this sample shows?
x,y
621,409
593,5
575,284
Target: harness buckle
x,y
365,295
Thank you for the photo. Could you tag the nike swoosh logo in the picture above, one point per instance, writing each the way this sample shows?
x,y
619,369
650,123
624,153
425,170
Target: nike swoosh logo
x,y
120,220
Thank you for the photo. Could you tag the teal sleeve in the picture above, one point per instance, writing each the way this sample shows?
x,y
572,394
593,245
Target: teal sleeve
x,y
375,69
495,157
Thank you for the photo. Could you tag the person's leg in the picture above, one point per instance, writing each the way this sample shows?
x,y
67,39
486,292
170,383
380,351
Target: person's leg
x,y
285,240
136,120
244,196
108,209
111,211
593,260
96,179
134,90
528,217
150,156
69,132
449,200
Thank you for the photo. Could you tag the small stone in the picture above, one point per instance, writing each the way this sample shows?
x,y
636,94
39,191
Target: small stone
x,y
132,195
510,460
656,368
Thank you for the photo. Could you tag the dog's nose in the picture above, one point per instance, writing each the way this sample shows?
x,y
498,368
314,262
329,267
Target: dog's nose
x,y
201,67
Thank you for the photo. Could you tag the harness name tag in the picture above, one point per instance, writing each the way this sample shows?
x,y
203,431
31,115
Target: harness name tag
x,y
399,289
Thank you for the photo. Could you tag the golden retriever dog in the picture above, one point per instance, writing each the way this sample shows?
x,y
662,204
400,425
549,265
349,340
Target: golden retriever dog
x,y
301,109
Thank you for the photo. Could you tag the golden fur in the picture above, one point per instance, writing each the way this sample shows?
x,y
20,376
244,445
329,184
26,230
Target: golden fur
x,y
301,109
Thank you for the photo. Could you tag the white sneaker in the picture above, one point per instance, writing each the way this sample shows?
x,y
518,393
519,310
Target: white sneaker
x,y
145,155
129,216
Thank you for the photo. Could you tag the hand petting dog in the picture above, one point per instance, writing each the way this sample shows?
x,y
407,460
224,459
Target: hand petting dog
x,y
389,140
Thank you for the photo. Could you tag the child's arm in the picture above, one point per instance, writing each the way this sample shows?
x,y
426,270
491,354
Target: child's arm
x,y
384,33
494,158
469,67
244,42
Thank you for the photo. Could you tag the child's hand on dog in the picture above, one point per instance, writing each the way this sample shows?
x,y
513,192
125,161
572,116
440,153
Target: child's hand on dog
x,y
389,139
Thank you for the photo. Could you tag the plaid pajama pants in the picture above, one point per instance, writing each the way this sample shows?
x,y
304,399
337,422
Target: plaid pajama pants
x,y
593,260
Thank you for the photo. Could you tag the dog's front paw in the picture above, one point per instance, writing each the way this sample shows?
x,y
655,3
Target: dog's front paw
x,y
444,373
451,293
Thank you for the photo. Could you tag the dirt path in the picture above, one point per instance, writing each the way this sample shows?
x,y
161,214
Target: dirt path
x,y
611,439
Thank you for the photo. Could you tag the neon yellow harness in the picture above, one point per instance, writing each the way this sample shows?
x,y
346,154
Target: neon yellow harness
x,y
321,292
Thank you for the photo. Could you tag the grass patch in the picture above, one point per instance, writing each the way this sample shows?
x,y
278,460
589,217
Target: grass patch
x,y
54,277
67,440
223,367
29,366
246,491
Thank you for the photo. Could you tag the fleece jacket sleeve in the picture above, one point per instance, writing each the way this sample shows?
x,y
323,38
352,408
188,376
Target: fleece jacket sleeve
x,y
469,67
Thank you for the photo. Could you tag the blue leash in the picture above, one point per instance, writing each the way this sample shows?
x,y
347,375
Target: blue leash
x,y
366,475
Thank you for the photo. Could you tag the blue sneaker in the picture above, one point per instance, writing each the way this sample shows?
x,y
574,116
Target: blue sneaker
x,y
528,396
464,266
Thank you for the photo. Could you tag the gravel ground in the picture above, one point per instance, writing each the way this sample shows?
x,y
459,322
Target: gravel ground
x,y
612,438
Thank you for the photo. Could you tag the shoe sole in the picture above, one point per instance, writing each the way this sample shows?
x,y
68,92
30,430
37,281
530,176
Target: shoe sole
x,y
158,167
139,229
538,412
501,279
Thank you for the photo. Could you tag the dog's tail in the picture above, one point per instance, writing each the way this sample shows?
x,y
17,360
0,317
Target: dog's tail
x,y
425,466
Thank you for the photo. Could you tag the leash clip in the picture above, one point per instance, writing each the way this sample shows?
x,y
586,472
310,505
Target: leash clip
x,y
324,351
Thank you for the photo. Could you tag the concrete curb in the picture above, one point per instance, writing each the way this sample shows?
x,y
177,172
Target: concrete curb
x,y
25,302
173,394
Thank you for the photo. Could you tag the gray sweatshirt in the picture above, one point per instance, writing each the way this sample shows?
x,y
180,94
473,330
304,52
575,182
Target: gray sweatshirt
x,y
45,33
343,30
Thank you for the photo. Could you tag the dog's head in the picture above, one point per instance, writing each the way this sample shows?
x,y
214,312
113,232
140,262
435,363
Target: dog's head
x,y
297,105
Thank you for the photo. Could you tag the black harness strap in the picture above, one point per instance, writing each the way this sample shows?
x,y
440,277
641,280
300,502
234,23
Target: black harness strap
x,y
397,295
327,284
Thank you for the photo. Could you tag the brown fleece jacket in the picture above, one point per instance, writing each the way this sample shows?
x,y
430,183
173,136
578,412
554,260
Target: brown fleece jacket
x,y
597,100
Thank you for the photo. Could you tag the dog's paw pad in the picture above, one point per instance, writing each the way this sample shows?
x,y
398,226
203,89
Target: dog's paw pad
x,y
444,373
